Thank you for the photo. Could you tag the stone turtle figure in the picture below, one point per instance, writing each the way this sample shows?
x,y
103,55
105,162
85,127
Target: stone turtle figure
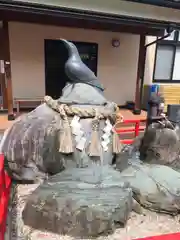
x,y
160,144
73,139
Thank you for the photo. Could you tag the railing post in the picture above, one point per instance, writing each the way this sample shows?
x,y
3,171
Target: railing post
x,y
137,124
5,185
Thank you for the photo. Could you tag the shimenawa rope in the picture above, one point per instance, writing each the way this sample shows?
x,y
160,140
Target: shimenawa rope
x,y
65,111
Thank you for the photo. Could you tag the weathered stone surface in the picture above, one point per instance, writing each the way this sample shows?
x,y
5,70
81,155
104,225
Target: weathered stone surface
x,y
136,207
155,187
80,202
127,156
81,93
123,158
160,144
31,146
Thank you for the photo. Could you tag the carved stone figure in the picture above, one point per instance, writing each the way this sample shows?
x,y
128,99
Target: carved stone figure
x,y
71,145
45,141
76,70
72,137
160,144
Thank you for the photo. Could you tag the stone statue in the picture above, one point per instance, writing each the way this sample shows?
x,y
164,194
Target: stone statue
x,y
45,140
73,139
71,145
160,144
77,71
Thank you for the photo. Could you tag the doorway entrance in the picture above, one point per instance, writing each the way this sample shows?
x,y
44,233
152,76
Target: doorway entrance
x,y
56,56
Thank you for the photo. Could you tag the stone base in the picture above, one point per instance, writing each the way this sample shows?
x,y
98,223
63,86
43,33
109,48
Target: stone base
x,y
80,202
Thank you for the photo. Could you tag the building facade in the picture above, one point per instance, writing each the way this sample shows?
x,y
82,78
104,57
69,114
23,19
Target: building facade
x,y
162,67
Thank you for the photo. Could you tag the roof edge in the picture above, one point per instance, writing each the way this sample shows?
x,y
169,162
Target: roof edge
x,y
159,3
43,9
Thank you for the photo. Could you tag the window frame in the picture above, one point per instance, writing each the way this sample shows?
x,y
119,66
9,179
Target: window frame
x,y
172,43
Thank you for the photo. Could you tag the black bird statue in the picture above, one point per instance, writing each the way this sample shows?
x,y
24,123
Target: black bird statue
x,y
76,70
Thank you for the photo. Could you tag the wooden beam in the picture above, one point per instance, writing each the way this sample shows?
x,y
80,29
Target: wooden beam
x,y
114,25
2,75
3,90
140,73
7,65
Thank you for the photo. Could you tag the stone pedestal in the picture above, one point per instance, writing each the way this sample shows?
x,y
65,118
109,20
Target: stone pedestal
x,y
80,202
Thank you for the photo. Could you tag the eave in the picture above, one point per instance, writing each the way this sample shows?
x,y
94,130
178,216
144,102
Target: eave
x,y
160,3
43,14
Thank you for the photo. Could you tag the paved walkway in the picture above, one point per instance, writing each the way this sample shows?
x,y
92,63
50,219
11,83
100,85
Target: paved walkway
x,y
4,123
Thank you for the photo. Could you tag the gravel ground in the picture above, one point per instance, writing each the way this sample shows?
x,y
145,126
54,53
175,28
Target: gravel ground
x,y
146,224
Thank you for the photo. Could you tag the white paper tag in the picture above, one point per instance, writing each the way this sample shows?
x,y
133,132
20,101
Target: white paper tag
x,y
105,149
79,136
76,128
107,122
107,141
81,133
108,128
74,121
104,144
75,131
106,135
81,144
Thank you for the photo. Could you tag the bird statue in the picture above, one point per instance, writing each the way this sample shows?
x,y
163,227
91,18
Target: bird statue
x,y
76,70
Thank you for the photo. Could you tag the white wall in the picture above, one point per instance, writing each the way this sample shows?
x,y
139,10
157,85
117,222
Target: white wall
x,y
117,67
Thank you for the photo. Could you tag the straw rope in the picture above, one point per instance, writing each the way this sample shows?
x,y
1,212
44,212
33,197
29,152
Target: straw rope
x,y
65,111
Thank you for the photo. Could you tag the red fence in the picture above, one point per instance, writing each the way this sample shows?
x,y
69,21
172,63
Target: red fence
x,y
136,129
174,236
5,186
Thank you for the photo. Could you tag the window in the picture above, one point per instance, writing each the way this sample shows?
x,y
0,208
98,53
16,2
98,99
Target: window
x,y
167,59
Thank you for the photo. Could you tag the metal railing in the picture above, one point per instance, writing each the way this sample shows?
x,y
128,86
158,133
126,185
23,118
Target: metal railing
x,y
136,130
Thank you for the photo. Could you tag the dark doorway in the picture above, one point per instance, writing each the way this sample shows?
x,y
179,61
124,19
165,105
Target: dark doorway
x,y
55,57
